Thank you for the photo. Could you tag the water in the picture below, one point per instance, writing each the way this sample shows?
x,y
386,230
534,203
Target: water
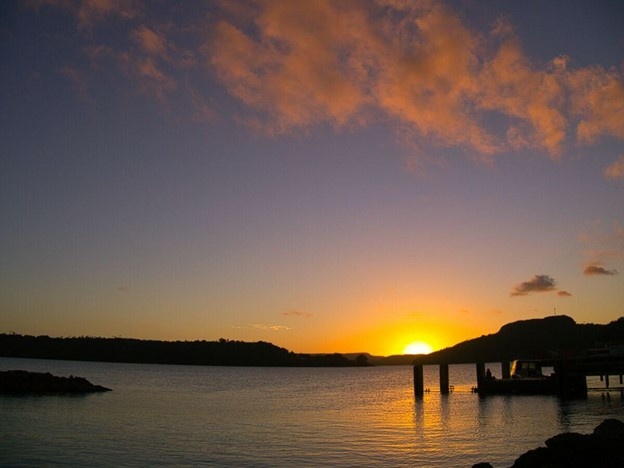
x,y
232,416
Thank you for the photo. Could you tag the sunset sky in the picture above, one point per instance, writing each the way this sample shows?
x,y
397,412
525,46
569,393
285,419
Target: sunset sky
x,y
327,176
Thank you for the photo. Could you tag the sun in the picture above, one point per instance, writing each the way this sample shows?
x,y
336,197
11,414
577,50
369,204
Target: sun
x,y
417,347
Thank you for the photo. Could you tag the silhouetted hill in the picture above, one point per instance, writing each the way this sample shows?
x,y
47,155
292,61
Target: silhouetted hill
x,y
535,338
211,353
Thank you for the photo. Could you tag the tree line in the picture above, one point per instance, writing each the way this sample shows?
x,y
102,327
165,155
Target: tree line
x,y
208,353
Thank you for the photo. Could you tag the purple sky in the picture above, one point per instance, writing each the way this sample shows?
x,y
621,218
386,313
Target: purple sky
x,y
327,176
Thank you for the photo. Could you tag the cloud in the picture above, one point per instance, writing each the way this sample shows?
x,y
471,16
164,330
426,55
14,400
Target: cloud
x,y
151,42
592,270
539,283
297,313
597,97
615,170
88,13
146,72
261,326
529,97
347,62
417,63
603,245
564,294
295,73
203,110
79,81
416,66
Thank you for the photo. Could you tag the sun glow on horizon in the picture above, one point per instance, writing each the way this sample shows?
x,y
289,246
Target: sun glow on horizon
x,y
417,347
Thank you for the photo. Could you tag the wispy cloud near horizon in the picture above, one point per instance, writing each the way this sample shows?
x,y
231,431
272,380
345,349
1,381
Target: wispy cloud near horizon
x,y
261,326
297,313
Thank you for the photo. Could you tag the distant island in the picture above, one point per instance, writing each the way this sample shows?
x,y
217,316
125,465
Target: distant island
x,y
536,338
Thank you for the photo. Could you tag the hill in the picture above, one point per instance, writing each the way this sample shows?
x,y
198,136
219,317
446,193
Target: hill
x,y
531,339
535,338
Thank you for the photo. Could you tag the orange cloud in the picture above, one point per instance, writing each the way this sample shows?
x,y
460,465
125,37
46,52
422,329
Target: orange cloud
x,y
150,41
597,97
345,62
509,84
145,72
90,12
615,170
427,77
294,71
416,65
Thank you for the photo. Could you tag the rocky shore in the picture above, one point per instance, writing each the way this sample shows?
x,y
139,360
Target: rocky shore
x,y
602,448
18,382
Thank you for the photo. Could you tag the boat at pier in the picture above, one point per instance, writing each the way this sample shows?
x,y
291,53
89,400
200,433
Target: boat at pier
x,y
527,378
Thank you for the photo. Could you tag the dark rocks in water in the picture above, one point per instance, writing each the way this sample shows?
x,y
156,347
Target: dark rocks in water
x,y
601,448
24,382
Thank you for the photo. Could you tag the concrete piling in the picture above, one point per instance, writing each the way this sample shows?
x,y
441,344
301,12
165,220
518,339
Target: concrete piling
x,y
444,379
505,370
419,381
480,374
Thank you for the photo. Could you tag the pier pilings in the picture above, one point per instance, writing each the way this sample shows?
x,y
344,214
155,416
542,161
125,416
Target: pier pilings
x,y
506,369
569,379
480,374
419,381
567,383
444,379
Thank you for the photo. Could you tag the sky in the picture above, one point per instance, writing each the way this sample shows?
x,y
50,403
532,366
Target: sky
x,y
340,176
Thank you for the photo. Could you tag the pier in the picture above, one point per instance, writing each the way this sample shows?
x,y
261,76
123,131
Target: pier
x,y
569,379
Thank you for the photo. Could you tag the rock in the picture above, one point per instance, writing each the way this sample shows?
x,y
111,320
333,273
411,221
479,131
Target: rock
x,y
566,440
610,429
601,448
533,458
24,382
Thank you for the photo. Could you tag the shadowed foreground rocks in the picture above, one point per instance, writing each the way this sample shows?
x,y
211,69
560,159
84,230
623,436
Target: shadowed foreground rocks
x,y
603,448
18,382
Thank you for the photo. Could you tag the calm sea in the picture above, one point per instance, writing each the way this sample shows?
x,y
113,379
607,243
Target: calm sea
x,y
241,416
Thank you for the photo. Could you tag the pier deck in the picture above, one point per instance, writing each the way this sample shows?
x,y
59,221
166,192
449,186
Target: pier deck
x,y
569,379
